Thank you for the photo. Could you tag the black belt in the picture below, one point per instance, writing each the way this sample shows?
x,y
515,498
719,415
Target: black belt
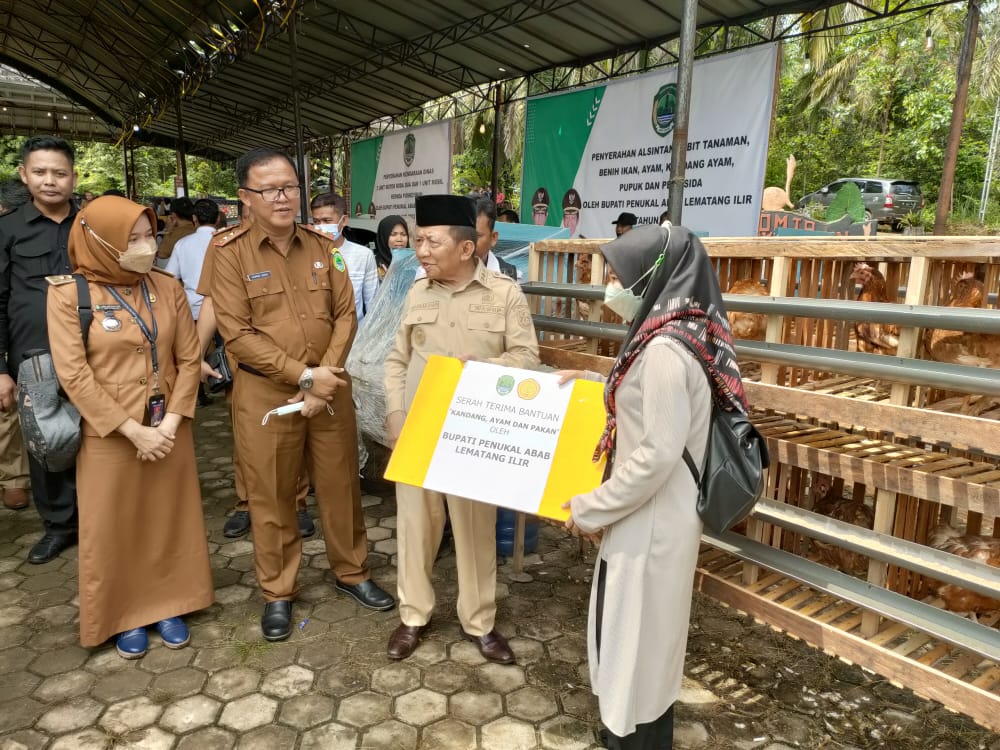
x,y
251,370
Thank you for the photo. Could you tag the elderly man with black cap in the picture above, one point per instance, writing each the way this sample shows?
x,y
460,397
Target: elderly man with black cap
x,y
460,309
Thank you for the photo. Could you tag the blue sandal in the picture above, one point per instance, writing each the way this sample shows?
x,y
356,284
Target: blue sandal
x,y
174,632
132,644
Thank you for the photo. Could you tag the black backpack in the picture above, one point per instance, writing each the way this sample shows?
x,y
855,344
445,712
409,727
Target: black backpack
x,y
733,475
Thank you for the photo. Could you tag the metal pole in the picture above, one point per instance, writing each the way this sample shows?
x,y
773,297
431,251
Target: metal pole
x,y
333,172
965,56
685,71
300,157
128,179
181,153
991,158
495,170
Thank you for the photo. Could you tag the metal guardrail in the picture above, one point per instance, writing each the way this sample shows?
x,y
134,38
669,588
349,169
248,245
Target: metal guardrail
x,y
981,380
970,574
935,622
969,319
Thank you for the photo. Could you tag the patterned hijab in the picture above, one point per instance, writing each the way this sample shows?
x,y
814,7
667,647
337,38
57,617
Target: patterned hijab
x,y
680,299
383,255
111,218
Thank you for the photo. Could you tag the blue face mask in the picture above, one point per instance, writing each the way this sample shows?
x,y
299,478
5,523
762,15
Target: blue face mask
x,y
331,229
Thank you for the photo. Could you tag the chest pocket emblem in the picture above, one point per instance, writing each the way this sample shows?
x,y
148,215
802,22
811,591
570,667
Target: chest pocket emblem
x,y
419,337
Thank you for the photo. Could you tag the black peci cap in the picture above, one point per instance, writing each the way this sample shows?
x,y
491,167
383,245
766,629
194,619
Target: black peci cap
x,y
626,219
445,211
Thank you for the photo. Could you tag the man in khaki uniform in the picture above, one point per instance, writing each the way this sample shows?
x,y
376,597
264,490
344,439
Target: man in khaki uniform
x,y
285,307
460,309
180,223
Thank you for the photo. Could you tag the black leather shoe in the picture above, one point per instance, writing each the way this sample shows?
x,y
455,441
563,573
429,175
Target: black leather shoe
x,y
306,526
49,546
276,622
237,525
368,594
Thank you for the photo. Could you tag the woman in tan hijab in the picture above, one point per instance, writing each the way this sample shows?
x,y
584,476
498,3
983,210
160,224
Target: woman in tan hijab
x,y
143,555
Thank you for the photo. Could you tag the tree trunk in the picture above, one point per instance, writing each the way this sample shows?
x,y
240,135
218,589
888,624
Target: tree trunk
x,y
957,117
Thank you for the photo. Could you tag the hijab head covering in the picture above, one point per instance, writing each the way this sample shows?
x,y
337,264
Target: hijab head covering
x,y
111,218
383,253
681,299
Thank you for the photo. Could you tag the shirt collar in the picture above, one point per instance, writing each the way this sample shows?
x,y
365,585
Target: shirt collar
x,y
260,238
32,214
480,276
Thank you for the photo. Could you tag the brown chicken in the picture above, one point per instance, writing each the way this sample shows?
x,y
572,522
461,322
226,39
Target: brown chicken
x,y
875,338
828,501
958,347
752,326
985,549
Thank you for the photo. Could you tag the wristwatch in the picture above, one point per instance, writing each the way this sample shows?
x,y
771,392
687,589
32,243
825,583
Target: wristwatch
x,y
306,379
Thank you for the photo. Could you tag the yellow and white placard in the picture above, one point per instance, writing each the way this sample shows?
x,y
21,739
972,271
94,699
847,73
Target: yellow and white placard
x,y
501,435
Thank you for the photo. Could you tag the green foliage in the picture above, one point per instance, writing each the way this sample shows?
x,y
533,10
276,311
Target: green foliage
x,y
879,103
847,202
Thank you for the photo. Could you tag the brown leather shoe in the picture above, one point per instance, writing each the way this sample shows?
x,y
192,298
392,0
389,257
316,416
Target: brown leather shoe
x,y
15,498
404,640
492,646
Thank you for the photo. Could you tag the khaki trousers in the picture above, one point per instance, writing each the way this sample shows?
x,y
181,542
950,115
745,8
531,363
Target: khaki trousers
x,y
271,460
420,520
13,457
241,488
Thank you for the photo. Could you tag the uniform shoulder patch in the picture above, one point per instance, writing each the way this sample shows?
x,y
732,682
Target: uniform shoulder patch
x,y
60,279
226,236
338,260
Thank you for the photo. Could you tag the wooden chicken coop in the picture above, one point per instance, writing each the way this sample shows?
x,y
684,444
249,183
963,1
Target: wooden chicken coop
x,y
878,535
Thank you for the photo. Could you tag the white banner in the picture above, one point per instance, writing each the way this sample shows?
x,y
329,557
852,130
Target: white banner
x,y
594,153
388,172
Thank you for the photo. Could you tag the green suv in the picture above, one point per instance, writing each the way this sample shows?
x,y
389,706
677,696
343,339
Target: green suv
x,y
886,201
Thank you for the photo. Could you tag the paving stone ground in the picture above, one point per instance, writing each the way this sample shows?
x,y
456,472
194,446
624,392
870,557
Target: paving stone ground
x,y
331,687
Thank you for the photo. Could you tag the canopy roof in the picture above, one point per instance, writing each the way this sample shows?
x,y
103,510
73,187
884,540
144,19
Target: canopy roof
x,y
230,62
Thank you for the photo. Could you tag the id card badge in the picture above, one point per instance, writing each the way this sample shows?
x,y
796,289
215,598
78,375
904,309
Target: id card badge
x,y
156,409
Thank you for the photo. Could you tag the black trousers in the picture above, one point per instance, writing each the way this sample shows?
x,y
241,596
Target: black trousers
x,y
54,493
657,734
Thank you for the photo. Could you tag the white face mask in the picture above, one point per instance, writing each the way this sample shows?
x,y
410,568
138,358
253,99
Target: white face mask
x,y
622,301
139,257
331,229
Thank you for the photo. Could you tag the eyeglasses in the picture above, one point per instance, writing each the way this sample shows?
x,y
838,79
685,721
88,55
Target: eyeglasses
x,y
271,194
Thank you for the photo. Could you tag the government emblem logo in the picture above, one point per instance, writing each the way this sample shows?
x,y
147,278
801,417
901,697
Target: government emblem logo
x,y
505,384
664,107
409,149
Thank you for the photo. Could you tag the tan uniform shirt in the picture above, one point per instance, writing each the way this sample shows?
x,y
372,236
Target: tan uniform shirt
x,y
113,379
280,312
166,248
488,319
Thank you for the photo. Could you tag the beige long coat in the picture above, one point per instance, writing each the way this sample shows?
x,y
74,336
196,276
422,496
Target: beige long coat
x,y
143,554
651,538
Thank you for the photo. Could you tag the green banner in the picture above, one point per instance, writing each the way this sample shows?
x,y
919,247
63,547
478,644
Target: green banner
x,y
558,127
364,168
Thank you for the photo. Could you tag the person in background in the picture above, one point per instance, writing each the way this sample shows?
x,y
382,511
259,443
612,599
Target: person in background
x,y
329,214
33,244
393,234
456,288
624,223
508,216
658,402
180,223
14,479
143,556
187,259
285,308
